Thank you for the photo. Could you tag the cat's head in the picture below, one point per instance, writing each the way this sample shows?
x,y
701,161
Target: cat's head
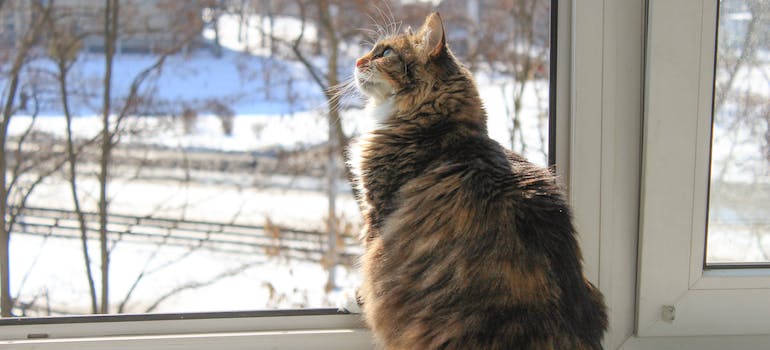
x,y
407,66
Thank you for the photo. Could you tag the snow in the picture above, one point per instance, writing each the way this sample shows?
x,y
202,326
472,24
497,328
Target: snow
x,y
250,132
250,38
241,81
59,275
58,272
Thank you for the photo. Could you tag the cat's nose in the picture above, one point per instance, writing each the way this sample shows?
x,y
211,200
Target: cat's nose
x,y
360,62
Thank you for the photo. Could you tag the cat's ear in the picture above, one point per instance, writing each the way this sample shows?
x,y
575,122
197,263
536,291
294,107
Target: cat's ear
x,y
433,38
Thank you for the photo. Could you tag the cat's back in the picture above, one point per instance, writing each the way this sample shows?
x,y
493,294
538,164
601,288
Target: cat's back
x,y
471,257
493,176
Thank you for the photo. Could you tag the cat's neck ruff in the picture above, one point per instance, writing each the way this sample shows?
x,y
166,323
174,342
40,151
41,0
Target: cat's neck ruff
x,y
381,109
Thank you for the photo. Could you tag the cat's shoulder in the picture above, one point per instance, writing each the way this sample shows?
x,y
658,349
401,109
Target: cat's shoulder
x,y
492,167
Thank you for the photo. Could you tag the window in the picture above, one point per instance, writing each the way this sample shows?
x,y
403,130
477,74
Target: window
x,y
614,55
217,192
677,295
739,194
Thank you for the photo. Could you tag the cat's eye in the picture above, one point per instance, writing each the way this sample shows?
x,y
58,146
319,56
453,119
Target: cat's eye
x,y
385,53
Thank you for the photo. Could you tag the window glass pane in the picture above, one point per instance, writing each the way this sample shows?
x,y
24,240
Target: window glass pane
x,y
739,204
217,187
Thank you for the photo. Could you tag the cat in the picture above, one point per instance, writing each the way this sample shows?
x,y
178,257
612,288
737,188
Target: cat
x,y
467,245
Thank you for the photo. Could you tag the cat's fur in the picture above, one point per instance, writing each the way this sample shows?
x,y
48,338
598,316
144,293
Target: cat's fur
x,y
468,246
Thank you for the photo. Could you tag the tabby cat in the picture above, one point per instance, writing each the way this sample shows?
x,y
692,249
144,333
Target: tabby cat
x,y
468,246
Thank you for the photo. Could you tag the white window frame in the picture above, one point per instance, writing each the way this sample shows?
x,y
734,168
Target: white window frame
x,y
290,329
640,248
604,147
679,89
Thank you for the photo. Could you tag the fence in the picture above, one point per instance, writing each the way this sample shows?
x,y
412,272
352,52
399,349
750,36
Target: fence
x,y
268,240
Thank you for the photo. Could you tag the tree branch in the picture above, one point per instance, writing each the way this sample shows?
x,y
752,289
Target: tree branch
x,y
30,36
199,284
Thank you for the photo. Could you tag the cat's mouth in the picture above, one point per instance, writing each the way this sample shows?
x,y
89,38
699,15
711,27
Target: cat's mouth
x,y
370,83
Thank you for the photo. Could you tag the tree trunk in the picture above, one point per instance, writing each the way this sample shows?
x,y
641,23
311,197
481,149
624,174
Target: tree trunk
x,y
334,140
215,20
271,26
6,303
72,160
6,300
110,38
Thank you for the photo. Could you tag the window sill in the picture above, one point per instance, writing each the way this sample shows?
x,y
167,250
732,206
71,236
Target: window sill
x,y
301,339
280,329
747,342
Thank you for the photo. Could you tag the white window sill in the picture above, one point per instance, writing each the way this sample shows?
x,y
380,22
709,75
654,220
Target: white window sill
x,y
301,339
280,329
744,342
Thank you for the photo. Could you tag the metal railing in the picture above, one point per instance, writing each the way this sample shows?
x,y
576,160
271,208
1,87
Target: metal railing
x,y
268,240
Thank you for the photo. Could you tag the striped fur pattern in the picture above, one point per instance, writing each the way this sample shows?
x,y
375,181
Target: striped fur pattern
x,y
468,245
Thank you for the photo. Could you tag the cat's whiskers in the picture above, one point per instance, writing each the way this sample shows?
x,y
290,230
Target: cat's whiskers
x,y
380,30
389,18
336,96
371,36
345,91
349,86
341,92
387,26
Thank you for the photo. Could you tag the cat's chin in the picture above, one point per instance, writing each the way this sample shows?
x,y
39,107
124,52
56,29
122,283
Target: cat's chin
x,y
372,85
375,90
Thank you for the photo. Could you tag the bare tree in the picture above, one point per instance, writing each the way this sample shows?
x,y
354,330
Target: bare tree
x,y
737,57
324,82
507,41
41,15
514,44
135,100
111,15
63,49
267,14
214,11
337,24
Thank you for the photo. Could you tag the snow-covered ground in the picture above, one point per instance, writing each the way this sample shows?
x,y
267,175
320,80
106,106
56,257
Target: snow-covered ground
x,y
52,268
51,271
275,106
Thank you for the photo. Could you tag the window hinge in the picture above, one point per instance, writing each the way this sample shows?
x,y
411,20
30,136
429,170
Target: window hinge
x,y
668,313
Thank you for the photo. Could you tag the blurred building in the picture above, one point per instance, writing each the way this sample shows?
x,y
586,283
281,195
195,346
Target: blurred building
x,y
144,25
